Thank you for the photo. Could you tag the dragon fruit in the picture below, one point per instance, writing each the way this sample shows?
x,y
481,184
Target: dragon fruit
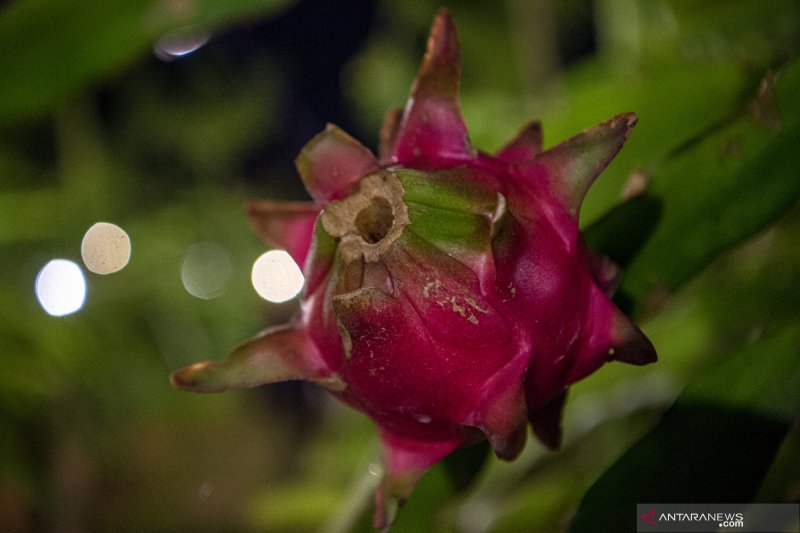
x,y
449,294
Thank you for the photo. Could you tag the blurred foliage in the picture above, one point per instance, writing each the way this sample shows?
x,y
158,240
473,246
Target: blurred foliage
x,y
727,424
93,126
51,49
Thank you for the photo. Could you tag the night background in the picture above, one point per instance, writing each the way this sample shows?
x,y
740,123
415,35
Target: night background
x,y
164,117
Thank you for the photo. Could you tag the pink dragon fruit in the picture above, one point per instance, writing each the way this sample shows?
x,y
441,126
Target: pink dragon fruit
x,y
449,294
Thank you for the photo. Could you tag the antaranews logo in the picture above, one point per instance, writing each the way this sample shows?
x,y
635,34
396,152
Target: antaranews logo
x,y
650,517
740,518
691,517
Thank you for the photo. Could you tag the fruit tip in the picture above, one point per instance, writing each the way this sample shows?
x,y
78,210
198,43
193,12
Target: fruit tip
x,y
443,14
185,378
443,40
630,119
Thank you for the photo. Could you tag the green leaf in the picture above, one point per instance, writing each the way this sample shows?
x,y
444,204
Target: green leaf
x,y
714,445
49,50
750,31
463,465
621,233
722,188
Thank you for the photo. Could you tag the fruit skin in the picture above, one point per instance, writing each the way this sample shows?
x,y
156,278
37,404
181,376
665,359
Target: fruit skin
x,y
449,294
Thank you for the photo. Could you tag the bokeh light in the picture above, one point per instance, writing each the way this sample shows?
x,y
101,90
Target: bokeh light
x,y
106,248
61,287
206,269
276,277
179,43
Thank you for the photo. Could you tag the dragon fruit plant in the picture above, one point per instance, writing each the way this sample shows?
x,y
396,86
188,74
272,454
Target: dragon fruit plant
x,y
449,294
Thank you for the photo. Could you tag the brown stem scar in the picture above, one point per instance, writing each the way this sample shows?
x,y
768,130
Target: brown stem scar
x,y
370,220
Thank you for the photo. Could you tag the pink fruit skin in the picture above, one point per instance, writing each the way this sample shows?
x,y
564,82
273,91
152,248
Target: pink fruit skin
x,y
449,294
